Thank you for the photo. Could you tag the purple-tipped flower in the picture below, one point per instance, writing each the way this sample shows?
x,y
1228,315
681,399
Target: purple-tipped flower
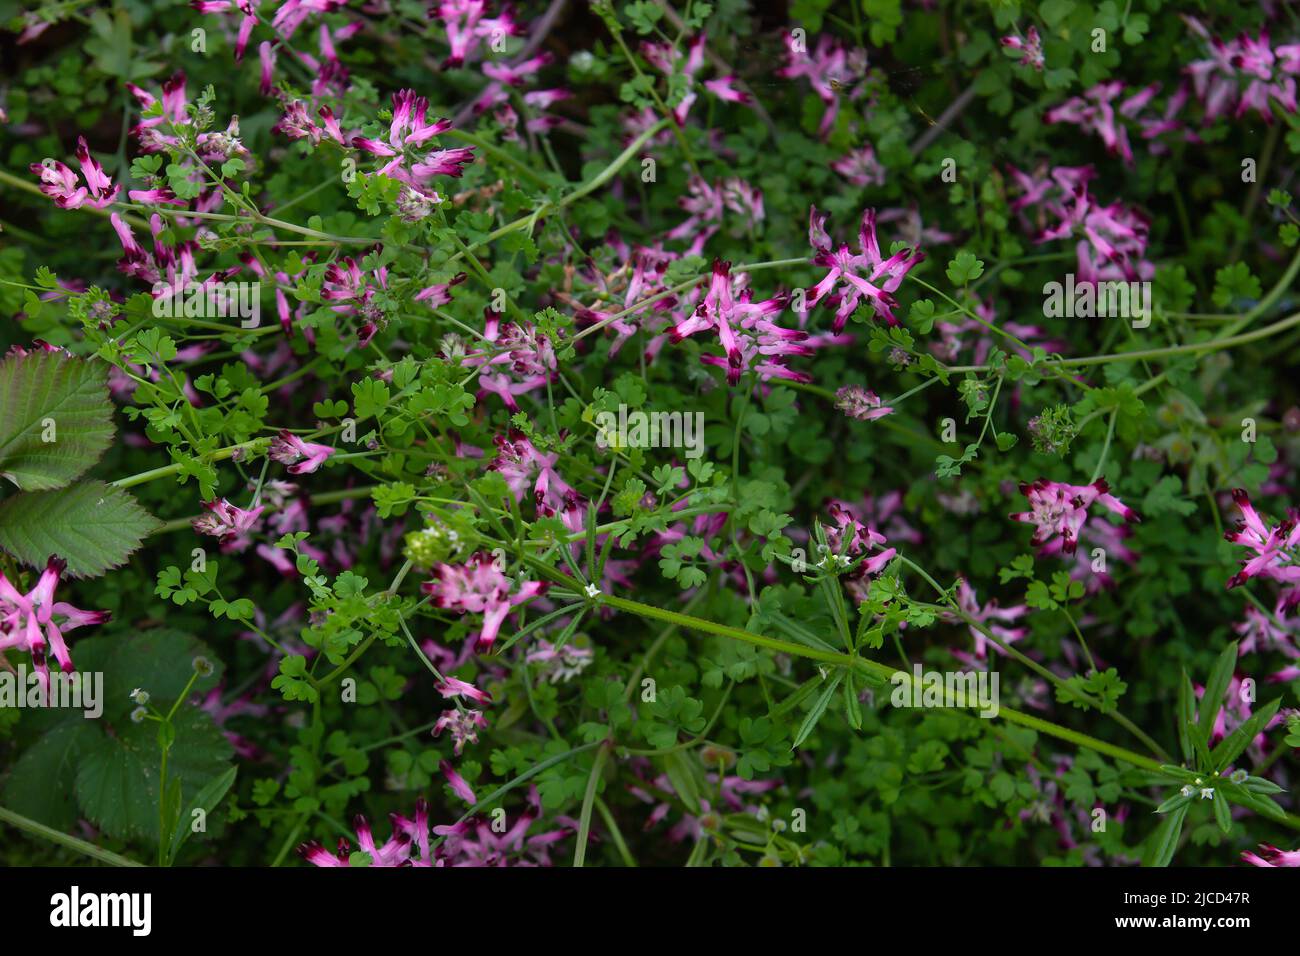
x,y
467,23
1272,544
60,183
463,725
666,58
1030,47
408,133
745,331
478,587
1244,74
226,521
1270,855
831,69
860,403
34,622
853,277
453,687
1057,508
302,457
990,615
457,782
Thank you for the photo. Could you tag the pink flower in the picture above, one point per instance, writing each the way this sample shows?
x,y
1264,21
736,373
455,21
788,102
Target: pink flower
x,y
1261,631
464,726
474,842
60,183
866,274
440,294
248,19
1057,508
457,782
1272,856
953,332
522,352
477,587
988,615
666,58
287,448
857,402
850,538
467,23
27,621
224,520
297,123
408,132
832,70
396,852
1111,240
1100,534
1094,112
559,663
749,338
1272,545
1247,73
1031,47
518,459
860,167
454,687
644,269
707,205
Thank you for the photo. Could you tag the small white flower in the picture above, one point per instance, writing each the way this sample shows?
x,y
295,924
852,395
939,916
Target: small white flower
x,y
1188,790
1207,793
592,591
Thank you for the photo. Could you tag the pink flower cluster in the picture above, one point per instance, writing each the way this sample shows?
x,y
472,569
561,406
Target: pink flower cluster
x,y
833,71
750,339
852,278
1098,112
1244,74
403,147
479,587
1030,46
1111,240
35,622
666,58
1272,544
471,842
1060,509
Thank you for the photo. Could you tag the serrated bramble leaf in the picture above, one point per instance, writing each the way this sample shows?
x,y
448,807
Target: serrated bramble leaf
x,y
55,418
91,525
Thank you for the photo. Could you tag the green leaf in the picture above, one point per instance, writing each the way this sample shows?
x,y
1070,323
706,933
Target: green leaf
x,y
206,800
1162,844
93,526
1222,812
117,785
1186,717
964,268
159,660
41,783
1215,688
819,708
55,418
1231,746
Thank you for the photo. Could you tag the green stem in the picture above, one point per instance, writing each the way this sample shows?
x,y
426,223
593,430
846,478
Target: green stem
x,y
884,671
62,839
